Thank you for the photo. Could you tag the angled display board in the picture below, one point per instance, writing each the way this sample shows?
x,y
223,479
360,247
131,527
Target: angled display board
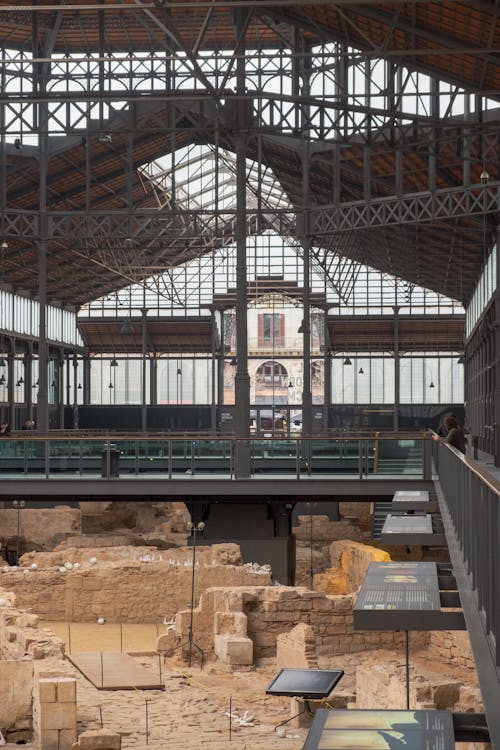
x,y
381,730
410,529
310,684
406,500
399,596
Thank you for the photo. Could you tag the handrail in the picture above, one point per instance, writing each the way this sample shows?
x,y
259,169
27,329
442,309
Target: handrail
x,y
73,435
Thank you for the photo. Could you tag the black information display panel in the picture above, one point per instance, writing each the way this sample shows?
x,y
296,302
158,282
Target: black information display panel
x,y
399,596
381,730
310,684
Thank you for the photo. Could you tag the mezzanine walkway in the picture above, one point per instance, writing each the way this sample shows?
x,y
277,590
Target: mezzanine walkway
x,y
138,466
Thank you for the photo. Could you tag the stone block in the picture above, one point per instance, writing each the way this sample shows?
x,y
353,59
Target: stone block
x,y
99,739
67,738
49,739
234,650
47,690
57,716
230,623
66,689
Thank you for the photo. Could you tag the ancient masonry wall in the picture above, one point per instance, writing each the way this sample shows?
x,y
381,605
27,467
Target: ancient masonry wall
x,y
44,525
274,610
148,589
27,655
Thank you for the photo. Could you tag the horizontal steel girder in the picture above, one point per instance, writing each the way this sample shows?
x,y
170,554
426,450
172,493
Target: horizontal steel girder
x,y
451,203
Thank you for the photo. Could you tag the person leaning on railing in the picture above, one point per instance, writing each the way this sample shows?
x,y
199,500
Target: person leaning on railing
x,y
455,435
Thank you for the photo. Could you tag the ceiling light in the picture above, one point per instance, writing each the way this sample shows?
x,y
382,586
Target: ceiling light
x,y
347,361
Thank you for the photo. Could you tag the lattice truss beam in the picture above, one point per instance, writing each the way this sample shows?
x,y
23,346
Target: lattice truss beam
x,y
394,156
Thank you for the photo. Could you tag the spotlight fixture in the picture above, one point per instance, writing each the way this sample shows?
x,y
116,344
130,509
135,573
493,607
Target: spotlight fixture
x,y
179,371
20,381
431,385
110,386
461,359
105,138
290,384
233,362
79,387
484,177
17,144
3,363
2,380
347,361
4,245
301,328
113,363
361,371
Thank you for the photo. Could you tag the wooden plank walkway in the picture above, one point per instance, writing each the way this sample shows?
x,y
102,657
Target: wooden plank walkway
x,y
115,671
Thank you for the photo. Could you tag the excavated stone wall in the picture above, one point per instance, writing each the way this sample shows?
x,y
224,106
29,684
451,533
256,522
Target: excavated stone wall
x,y
26,655
134,585
272,611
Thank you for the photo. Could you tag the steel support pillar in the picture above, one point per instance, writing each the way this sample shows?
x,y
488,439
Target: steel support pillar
x,y
327,371
242,379
397,371
214,375
144,406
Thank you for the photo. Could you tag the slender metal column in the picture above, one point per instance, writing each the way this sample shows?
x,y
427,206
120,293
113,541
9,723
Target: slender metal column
x,y
86,379
42,423
28,381
327,370
214,374
242,379
59,386
75,392
10,382
144,412
153,379
303,230
397,381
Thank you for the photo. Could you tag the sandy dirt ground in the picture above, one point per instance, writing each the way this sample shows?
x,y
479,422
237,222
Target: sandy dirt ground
x,y
211,708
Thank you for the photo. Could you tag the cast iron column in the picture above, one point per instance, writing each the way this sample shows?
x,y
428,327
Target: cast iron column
x,y
242,379
397,381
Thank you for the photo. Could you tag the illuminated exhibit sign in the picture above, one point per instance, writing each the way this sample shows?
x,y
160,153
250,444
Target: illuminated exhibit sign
x,y
381,730
399,596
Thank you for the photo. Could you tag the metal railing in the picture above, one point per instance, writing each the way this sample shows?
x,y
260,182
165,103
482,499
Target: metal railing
x,y
470,510
360,455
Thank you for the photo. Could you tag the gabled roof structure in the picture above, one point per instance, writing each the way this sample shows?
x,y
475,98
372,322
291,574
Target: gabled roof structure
x,y
393,186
